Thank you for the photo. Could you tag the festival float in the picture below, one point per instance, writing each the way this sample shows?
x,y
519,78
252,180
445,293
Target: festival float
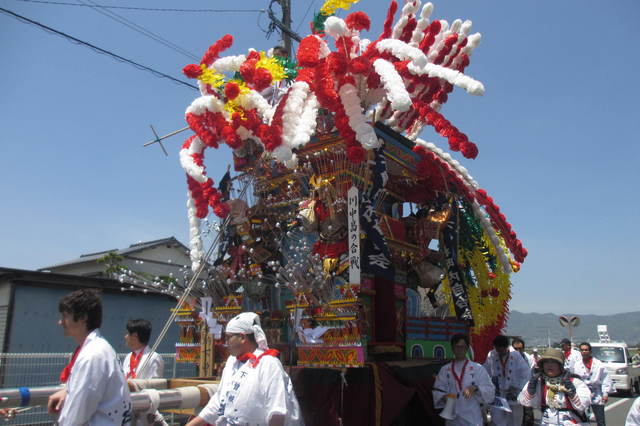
x,y
363,247
357,241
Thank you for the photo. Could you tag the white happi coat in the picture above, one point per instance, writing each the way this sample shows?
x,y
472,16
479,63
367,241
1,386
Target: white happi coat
x,y
250,396
558,416
468,412
633,418
597,379
311,336
531,360
575,357
515,374
153,370
97,393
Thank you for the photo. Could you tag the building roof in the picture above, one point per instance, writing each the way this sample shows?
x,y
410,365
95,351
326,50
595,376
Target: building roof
x,y
25,276
133,248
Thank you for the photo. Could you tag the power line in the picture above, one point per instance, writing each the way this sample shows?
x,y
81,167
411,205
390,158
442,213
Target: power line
x,y
278,24
311,3
146,9
96,48
139,29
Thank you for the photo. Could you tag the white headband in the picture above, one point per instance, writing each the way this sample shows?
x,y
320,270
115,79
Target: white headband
x,y
248,323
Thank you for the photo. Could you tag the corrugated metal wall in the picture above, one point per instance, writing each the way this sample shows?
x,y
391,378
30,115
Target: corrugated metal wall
x,y
34,324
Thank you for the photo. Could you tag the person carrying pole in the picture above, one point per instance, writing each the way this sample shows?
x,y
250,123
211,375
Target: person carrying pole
x,y
95,392
254,388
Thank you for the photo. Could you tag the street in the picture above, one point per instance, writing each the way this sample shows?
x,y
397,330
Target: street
x,y
617,408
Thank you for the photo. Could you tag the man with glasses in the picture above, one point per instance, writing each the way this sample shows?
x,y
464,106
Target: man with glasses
x,y
254,388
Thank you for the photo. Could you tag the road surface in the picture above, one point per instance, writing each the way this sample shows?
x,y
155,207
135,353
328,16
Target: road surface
x,y
616,409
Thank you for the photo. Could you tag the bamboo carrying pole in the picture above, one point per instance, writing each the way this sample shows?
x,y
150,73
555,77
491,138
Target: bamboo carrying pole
x,y
183,397
192,282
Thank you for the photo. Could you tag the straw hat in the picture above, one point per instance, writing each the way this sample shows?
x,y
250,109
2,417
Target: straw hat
x,y
551,354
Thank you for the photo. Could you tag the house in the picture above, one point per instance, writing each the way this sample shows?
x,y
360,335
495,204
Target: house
x,y
166,257
29,311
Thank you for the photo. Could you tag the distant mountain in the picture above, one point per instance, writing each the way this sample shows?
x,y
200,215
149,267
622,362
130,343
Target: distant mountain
x,y
533,327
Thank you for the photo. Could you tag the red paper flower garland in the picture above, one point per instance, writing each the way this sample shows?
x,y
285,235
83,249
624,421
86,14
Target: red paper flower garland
x,y
204,194
415,86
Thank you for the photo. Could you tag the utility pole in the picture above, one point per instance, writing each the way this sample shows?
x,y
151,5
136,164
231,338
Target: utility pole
x,y
282,25
286,20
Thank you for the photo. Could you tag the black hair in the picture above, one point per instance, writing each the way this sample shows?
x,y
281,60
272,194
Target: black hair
x,y
281,49
83,303
501,341
587,344
517,340
312,321
141,327
457,337
252,338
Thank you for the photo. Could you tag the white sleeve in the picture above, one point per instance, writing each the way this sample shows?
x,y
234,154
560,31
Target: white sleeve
x,y
488,364
582,399
440,386
210,411
607,383
125,364
524,372
532,361
485,386
574,359
319,331
87,386
273,381
526,399
633,418
156,366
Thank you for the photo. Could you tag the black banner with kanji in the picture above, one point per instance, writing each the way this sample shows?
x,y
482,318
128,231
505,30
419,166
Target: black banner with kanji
x,y
454,275
376,258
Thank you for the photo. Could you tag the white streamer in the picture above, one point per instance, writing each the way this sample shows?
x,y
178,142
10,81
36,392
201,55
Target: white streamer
x,y
393,84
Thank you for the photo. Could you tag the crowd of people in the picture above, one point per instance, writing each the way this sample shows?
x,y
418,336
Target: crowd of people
x,y
96,388
567,385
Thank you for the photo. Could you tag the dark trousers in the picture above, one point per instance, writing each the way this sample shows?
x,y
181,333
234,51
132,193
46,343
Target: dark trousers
x,y
527,417
598,412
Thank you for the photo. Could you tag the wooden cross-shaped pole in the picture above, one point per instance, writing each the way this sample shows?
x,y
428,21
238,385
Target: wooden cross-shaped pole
x,y
159,139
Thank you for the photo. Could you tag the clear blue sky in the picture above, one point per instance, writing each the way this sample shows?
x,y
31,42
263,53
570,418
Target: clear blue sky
x,y
557,132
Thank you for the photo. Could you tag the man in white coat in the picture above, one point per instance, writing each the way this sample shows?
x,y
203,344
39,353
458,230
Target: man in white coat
x,y
570,355
594,374
141,363
561,396
254,388
518,345
137,339
465,381
310,332
95,392
509,372
633,417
